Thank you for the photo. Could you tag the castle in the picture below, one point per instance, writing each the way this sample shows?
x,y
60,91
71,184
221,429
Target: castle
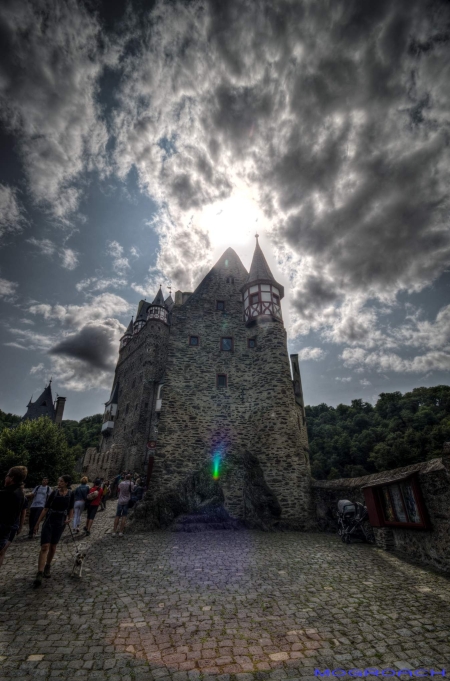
x,y
203,383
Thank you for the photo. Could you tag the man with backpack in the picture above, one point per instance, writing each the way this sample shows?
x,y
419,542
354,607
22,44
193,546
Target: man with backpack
x,y
40,494
124,502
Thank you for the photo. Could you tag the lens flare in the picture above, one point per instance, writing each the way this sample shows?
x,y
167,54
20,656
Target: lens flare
x,y
216,466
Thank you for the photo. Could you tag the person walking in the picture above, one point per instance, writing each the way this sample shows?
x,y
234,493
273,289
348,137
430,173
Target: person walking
x,y
80,495
12,507
94,503
57,513
126,488
106,492
39,495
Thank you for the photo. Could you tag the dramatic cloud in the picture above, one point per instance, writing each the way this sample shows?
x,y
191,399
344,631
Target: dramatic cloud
x,y
7,289
85,359
120,263
335,116
68,258
50,61
37,369
345,379
311,353
389,361
98,283
11,213
85,340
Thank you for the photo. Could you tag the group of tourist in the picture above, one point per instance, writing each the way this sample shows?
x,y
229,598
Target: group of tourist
x,y
57,508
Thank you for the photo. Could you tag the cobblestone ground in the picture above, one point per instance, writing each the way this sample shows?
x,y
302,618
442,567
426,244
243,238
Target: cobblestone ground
x,y
233,606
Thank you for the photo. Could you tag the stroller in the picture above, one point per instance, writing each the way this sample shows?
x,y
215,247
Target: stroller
x,y
351,517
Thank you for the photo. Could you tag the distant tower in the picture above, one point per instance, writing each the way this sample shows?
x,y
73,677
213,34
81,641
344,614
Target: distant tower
x,y
44,406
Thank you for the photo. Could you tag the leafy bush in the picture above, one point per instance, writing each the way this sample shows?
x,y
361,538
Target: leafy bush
x,y
350,441
41,446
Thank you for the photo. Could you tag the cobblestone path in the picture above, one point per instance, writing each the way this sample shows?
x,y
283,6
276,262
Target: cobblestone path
x,y
233,606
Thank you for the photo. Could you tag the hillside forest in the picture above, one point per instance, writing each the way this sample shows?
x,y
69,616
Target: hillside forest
x,y
345,441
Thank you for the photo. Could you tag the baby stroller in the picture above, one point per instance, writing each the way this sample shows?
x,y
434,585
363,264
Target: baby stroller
x,y
351,517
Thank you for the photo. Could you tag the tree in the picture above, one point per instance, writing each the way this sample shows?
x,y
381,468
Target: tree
x,y
41,446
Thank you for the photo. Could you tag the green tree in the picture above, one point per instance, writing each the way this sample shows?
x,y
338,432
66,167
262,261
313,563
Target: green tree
x,y
41,446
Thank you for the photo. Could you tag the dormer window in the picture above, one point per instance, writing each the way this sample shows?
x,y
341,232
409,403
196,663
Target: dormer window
x,y
220,305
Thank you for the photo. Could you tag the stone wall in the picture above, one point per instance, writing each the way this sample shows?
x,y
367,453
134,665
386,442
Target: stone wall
x,y
139,371
429,546
255,413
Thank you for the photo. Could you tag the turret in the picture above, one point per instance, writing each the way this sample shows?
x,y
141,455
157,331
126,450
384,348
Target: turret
x,y
141,317
158,309
127,336
261,293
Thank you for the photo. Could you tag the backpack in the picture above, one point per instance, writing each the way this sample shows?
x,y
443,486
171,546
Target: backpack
x,y
92,495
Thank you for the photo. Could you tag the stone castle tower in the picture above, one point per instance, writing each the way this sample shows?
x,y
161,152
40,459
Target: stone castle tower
x,y
203,391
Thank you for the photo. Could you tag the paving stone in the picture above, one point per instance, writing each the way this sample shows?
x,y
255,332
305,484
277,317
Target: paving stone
x,y
165,607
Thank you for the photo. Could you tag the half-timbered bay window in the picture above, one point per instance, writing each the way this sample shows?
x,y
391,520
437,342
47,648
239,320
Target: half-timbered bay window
x,y
262,299
157,312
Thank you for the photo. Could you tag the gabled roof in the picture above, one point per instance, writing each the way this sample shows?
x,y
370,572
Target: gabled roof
x,y
260,270
159,298
169,302
43,406
228,260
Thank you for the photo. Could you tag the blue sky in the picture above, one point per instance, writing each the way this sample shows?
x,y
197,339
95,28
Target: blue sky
x,y
138,143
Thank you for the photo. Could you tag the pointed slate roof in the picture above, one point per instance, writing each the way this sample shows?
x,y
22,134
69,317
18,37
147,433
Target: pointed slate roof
x,y
159,298
169,302
260,270
142,312
129,331
43,406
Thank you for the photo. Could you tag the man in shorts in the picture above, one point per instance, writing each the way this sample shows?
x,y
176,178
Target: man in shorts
x,y
125,491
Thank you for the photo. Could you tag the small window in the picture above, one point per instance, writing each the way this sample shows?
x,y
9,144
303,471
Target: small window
x,y
220,305
134,383
230,280
251,342
276,299
127,409
193,340
226,344
254,298
221,380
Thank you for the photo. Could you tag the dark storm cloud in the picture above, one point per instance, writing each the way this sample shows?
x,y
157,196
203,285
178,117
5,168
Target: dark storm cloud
x,y
91,345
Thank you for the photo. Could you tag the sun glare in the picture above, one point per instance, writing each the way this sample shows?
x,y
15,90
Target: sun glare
x,y
232,222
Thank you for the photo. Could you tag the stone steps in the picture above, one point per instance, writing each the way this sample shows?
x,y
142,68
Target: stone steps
x,y
203,523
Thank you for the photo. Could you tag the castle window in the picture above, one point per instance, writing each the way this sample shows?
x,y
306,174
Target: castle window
x,y
193,340
276,299
230,280
226,344
251,343
127,409
220,305
134,383
254,298
221,380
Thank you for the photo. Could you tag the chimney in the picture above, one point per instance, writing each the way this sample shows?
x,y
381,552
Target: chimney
x,y
60,404
178,297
